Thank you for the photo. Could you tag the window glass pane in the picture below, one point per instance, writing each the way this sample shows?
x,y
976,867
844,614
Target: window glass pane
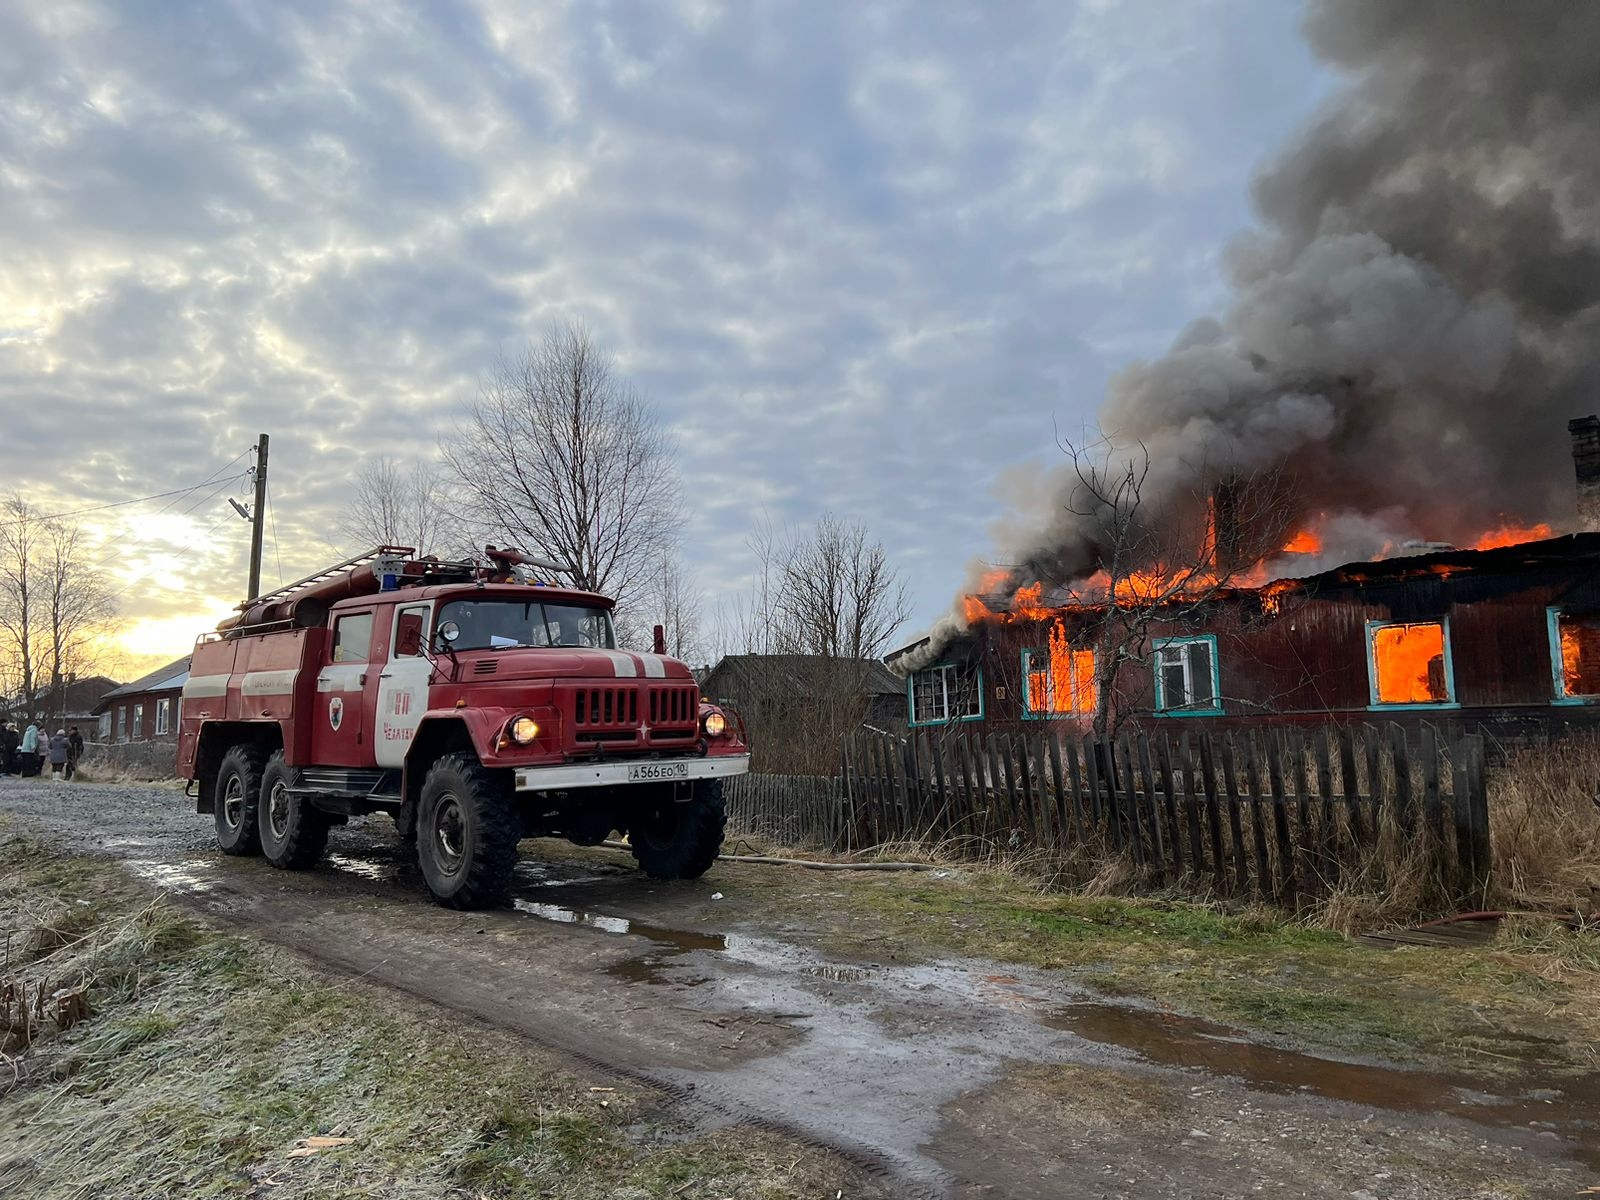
x,y
927,695
495,624
1202,681
1580,653
1409,663
963,692
408,626
1174,689
137,731
352,638
161,717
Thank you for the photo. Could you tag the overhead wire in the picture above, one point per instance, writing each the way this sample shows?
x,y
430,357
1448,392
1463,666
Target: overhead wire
x,y
78,512
272,518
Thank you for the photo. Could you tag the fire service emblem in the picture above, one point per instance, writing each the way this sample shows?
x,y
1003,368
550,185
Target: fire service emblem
x,y
336,711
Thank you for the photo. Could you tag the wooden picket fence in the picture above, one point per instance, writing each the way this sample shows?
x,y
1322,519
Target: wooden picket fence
x,y
1277,814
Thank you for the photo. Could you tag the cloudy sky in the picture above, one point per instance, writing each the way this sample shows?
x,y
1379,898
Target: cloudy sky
x,y
864,256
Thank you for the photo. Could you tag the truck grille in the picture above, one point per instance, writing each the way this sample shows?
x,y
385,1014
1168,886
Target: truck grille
x,y
622,713
608,706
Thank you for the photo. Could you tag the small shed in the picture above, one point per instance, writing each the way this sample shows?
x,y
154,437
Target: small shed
x,y
145,710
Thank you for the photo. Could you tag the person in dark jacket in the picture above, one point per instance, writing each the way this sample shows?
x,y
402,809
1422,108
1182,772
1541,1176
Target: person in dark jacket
x,y
60,748
74,750
9,738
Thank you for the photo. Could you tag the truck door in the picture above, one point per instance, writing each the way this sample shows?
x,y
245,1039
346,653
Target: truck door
x,y
340,718
403,685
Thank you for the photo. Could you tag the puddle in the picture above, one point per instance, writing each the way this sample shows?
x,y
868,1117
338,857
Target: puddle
x,y
1175,1041
667,943
173,876
366,868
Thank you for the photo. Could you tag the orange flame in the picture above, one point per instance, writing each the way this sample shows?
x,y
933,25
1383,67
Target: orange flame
x,y
1410,663
1305,541
1513,535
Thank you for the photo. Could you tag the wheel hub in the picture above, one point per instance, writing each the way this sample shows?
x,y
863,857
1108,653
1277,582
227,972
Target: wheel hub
x,y
278,810
449,833
233,802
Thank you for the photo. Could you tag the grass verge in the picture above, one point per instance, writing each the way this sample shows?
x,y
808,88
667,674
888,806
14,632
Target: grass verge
x,y
198,1063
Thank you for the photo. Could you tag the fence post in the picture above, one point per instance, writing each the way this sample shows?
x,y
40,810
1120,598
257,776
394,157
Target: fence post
x,y
1150,807
1241,869
1432,809
1280,822
1053,747
1352,785
1129,794
1169,803
1208,780
1328,842
1258,822
1091,773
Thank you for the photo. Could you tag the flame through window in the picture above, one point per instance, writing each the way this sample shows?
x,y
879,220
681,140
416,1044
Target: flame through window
x,y
1408,664
1579,636
1058,681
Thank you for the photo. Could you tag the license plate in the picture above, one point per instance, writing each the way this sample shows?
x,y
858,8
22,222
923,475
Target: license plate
x,y
651,772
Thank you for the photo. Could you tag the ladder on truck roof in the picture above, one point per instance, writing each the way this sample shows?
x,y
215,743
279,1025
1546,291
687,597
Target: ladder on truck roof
x,y
398,554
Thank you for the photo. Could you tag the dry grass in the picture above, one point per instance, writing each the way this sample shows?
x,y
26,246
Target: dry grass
x,y
1544,812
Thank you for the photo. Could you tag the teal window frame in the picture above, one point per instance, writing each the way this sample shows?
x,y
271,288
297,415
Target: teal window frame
x,y
1162,709
1558,673
1450,701
1027,713
911,703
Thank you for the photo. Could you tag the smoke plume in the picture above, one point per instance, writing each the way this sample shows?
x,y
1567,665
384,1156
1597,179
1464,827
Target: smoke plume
x,y
1418,313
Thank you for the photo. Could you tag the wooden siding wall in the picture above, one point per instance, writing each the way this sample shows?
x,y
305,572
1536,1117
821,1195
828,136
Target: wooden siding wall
x,y
1307,663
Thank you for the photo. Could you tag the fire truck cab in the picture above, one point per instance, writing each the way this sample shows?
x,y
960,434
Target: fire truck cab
x,y
476,703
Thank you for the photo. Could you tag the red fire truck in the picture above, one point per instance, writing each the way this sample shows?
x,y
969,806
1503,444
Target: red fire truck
x,y
477,703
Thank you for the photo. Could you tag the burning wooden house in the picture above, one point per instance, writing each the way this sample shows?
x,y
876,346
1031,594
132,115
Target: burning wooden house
x,y
1502,638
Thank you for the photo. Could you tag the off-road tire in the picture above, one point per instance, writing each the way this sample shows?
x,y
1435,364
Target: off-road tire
x,y
679,839
237,796
467,833
294,832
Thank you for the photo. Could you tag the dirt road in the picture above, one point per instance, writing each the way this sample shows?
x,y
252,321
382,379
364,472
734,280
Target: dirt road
x,y
949,1078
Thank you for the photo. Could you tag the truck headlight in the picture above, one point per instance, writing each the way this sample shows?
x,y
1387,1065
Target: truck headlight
x,y
524,730
715,723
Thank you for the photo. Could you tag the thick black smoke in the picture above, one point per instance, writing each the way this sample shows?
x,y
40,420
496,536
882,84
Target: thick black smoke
x,y
1418,314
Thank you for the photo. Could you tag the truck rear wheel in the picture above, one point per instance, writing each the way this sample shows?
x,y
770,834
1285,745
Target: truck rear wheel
x,y
294,834
679,839
467,834
238,792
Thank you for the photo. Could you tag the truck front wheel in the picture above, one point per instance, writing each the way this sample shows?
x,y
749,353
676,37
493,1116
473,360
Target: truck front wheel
x,y
679,839
467,834
294,834
238,792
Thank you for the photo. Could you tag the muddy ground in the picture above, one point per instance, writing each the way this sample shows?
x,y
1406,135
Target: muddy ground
x,y
951,1077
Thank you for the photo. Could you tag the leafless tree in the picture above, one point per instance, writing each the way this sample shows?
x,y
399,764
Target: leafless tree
x,y
837,594
1158,563
394,504
677,604
54,608
561,457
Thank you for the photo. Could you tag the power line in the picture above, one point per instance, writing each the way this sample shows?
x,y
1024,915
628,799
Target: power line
x,y
216,491
178,557
272,516
210,477
78,512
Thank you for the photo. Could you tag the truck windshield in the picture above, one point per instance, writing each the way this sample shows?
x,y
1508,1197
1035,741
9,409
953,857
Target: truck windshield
x,y
493,624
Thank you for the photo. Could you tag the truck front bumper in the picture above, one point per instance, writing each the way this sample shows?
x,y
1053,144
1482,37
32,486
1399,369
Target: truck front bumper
x,y
612,774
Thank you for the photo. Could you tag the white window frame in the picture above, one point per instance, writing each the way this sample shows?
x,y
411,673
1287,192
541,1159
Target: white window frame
x,y
1189,707
1029,712
949,677
136,722
162,709
122,723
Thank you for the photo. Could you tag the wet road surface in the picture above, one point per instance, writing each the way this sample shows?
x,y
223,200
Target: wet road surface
x,y
955,1078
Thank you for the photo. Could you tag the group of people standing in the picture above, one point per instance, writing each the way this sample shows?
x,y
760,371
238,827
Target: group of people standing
x,y
26,753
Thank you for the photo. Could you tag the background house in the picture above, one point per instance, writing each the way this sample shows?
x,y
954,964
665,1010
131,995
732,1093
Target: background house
x,y
799,707
146,709
61,706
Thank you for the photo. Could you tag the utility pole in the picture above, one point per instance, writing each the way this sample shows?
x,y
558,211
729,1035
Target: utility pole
x,y
258,518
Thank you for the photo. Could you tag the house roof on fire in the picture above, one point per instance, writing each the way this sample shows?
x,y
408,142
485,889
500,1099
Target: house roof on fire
x,y
169,678
1566,550
793,675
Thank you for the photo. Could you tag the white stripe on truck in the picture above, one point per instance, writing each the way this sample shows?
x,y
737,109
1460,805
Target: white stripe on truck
x,y
269,683
204,687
